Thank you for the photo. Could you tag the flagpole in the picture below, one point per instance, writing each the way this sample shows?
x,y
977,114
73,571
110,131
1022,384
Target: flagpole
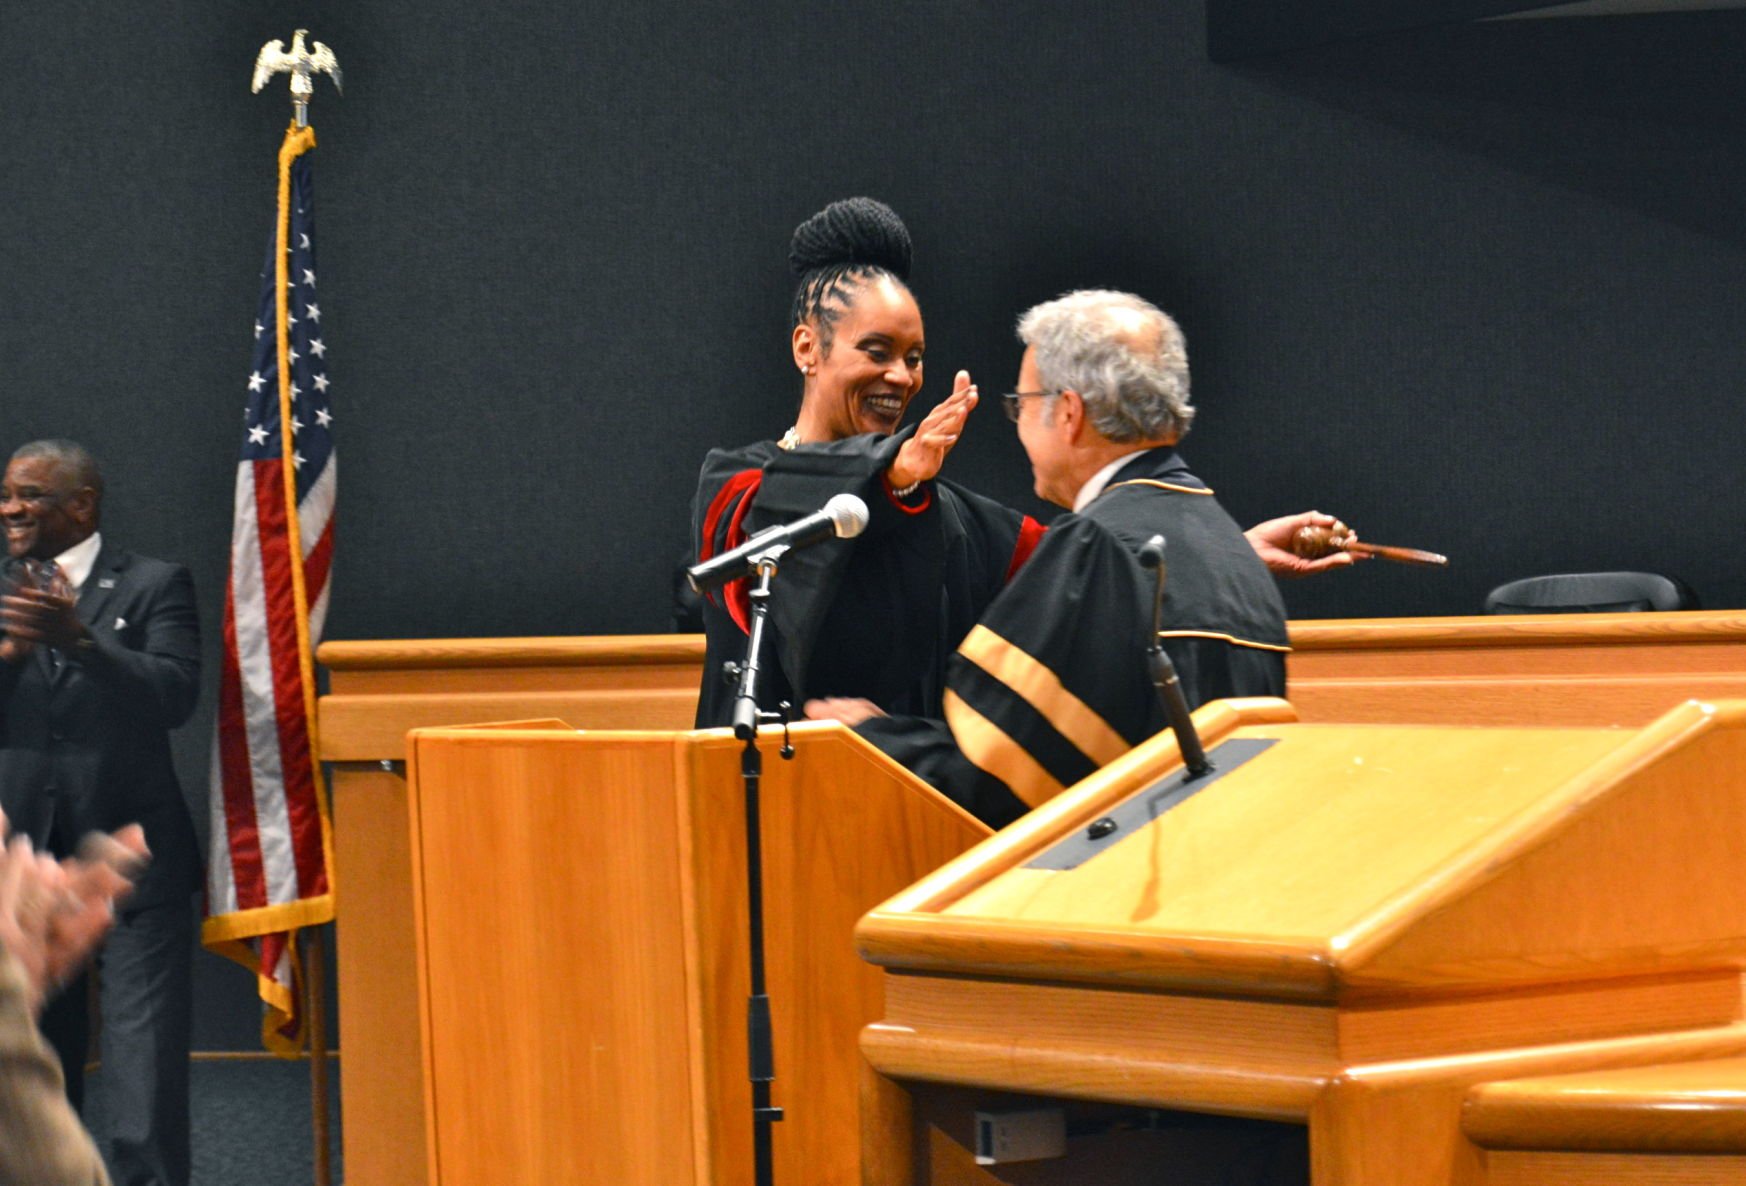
x,y
301,64
300,138
314,941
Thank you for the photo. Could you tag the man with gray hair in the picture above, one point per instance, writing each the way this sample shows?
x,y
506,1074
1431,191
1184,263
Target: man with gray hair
x,y
1051,683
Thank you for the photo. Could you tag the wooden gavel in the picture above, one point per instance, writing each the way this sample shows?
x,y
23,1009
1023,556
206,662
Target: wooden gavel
x,y
1312,543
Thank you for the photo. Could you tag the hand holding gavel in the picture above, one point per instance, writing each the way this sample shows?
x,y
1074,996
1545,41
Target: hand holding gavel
x,y
1312,543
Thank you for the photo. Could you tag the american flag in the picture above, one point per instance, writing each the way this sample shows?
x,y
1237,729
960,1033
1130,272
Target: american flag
x,y
271,836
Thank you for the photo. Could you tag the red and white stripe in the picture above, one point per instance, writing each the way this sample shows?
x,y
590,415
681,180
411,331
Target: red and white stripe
x,y
264,790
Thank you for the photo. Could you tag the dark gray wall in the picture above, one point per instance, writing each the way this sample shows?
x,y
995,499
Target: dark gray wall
x,y
1476,288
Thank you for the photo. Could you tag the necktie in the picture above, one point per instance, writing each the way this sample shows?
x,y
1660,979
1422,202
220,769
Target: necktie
x,y
50,578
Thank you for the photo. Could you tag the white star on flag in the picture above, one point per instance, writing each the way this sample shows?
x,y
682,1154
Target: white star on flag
x,y
321,384
313,312
323,417
257,435
257,329
296,425
297,460
255,381
291,353
309,277
317,347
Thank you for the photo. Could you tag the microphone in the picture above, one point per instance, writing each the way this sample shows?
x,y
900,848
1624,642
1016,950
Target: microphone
x,y
844,516
1152,559
1164,671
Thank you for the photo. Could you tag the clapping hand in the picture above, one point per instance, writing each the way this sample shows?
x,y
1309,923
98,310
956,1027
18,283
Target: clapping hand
x,y
40,610
53,913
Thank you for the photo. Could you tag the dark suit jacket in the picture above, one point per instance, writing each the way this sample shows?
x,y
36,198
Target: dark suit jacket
x,y
87,747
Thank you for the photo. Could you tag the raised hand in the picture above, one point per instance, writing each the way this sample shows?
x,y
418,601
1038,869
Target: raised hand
x,y
920,458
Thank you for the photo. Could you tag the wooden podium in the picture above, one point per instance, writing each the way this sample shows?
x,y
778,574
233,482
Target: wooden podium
x,y
379,691
580,908
1345,930
1590,669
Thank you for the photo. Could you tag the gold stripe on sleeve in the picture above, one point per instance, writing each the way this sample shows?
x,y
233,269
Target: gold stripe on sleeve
x,y
1040,687
990,749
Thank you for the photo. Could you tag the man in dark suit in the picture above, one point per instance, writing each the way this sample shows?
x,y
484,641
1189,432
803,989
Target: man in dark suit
x,y
99,660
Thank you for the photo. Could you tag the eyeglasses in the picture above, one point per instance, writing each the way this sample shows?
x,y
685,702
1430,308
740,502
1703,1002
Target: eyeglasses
x,y
1010,401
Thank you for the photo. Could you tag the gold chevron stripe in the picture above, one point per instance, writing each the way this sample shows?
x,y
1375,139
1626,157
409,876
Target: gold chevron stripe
x,y
989,747
1040,687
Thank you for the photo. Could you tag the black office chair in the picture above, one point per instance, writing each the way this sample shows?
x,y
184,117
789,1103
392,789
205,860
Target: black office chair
x,y
1591,593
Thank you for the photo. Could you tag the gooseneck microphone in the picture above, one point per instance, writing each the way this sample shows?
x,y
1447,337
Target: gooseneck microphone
x,y
844,517
1164,672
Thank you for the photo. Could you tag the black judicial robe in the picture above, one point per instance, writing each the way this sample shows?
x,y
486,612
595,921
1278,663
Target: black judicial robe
x,y
874,617
1052,682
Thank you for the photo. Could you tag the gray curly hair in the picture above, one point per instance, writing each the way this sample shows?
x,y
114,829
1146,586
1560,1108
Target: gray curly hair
x,y
1124,356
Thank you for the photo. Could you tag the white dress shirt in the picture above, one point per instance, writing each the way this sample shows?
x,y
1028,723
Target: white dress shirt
x,y
77,561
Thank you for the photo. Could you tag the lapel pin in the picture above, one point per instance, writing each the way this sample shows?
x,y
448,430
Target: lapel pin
x,y
121,623
106,583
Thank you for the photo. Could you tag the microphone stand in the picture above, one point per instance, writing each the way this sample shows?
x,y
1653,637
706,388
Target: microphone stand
x,y
1164,676
760,1048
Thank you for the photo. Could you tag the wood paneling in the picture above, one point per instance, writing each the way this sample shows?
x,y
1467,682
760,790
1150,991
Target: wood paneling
x,y
583,936
1543,669
553,974
379,691
383,1103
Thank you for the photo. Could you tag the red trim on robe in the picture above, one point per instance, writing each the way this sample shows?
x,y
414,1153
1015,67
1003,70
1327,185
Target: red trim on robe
x,y
1029,536
926,493
734,595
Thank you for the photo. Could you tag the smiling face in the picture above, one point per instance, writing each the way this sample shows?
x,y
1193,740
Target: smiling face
x,y
41,513
870,370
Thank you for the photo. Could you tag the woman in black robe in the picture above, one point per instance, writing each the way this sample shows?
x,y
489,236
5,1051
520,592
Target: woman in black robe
x,y
877,616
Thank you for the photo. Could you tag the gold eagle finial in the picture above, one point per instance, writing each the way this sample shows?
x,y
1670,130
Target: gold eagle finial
x,y
300,63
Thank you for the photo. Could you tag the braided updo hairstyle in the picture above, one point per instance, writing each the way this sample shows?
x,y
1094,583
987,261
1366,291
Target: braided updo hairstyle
x,y
839,249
